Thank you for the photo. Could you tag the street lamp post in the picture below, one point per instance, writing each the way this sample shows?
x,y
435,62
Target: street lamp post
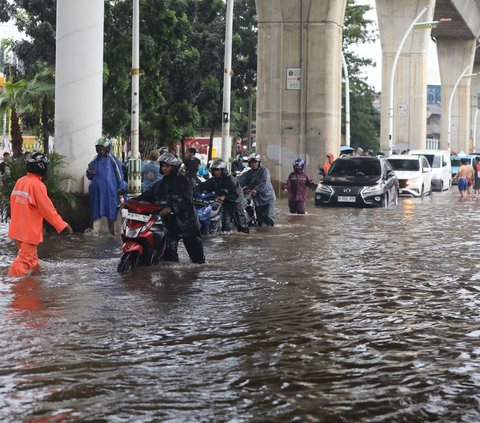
x,y
227,83
392,80
347,101
414,24
450,102
134,163
477,108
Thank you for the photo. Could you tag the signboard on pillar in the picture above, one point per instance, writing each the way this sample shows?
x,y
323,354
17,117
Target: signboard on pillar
x,y
293,78
402,110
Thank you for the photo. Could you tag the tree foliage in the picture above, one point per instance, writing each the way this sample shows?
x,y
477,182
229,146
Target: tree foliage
x,y
365,120
32,101
181,60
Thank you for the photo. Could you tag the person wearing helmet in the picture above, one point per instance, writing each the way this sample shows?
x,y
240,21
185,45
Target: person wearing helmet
x,y
29,206
296,187
107,185
174,192
192,166
256,182
229,193
237,165
151,170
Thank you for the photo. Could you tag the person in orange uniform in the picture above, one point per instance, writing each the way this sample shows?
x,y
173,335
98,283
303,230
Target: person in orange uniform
x,y
29,205
328,163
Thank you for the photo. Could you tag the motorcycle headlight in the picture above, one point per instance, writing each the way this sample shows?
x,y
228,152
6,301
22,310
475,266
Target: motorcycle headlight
x,y
203,213
133,233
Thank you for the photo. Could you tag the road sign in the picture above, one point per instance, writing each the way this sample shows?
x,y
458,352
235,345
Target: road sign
x,y
293,78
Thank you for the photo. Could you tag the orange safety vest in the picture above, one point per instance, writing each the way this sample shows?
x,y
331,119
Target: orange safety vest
x,y
29,205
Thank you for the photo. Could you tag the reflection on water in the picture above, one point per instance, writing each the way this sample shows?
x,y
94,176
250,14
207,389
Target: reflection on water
x,y
340,315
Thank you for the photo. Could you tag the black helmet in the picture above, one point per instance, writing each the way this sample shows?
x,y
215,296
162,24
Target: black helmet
x,y
172,160
298,165
219,164
37,163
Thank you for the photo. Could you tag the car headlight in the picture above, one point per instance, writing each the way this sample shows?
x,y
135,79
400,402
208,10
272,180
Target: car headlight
x,y
324,189
413,181
372,188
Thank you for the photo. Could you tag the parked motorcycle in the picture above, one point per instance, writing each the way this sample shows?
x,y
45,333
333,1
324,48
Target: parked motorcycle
x,y
209,212
143,235
250,214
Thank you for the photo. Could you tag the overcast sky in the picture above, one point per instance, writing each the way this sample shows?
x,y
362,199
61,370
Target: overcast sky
x,y
374,51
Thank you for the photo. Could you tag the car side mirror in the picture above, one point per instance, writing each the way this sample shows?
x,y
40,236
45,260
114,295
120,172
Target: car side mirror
x,y
444,163
427,169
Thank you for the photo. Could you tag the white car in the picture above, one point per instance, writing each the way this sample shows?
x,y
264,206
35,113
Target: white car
x,y
441,167
414,174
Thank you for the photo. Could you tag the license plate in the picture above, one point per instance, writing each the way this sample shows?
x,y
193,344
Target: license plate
x,y
346,199
138,217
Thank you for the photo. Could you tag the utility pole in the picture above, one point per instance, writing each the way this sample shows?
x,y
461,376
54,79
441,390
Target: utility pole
x,y
134,163
227,83
250,114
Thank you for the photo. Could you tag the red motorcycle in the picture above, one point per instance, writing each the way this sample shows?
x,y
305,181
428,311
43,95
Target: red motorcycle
x,y
143,235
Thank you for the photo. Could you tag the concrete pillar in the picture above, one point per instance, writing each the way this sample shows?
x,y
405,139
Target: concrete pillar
x,y
410,83
454,55
78,84
298,82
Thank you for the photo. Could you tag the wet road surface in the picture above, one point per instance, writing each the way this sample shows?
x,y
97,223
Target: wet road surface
x,y
342,315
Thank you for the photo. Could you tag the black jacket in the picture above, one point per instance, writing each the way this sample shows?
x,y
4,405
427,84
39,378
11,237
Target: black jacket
x,y
174,191
225,185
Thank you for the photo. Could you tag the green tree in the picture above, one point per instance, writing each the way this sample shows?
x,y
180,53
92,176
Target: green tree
x,y
9,102
37,20
32,101
365,120
37,105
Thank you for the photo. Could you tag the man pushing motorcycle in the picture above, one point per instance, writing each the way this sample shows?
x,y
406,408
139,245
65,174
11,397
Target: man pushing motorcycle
x,y
229,192
174,192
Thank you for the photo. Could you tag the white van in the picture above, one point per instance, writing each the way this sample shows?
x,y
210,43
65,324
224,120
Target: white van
x,y
441,167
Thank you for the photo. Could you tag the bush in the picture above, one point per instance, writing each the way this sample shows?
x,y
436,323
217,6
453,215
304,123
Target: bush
x,y
56,182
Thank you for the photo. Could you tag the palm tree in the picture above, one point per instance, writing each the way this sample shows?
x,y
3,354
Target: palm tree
x,y
33,102
38,102
8,102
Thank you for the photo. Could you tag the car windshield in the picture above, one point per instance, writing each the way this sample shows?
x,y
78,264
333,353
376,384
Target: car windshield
x,y
455,162
404,164
434,160
355,167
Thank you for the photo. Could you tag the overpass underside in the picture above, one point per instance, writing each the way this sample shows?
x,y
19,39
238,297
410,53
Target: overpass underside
x,y
300,76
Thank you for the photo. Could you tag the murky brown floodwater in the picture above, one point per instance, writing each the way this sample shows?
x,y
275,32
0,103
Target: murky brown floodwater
x,y
343,315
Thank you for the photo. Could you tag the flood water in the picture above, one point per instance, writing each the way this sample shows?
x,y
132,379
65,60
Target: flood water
x,y
342,315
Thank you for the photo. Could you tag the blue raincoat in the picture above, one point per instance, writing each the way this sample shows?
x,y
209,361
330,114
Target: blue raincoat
x,y
106,184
